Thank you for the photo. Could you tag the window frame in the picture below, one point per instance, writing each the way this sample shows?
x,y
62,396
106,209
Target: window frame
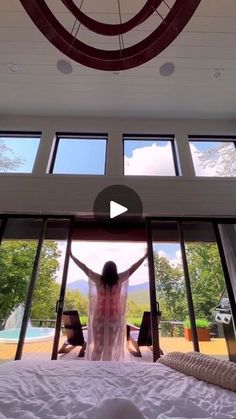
x,y
77,137
154,137
26,135
211,138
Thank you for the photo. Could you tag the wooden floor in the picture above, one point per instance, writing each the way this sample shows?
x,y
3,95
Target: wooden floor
x,y
36,350
42,350
216,347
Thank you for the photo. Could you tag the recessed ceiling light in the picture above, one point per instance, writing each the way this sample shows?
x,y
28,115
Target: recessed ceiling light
x,y
218,72
12,67
64,66
167,69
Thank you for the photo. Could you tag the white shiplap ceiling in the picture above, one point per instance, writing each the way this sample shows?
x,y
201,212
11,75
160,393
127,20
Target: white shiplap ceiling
x,y
207,44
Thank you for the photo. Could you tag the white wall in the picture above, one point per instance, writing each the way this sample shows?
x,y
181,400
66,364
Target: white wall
x,y
170,196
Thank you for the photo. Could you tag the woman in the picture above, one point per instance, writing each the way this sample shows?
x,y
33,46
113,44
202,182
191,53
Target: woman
x,y
107,310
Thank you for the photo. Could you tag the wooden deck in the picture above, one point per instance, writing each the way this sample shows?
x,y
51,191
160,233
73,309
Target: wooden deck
x,y
42,350
36,350
216,347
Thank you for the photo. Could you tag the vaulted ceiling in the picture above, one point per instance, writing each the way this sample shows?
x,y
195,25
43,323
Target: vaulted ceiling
x,y
202,85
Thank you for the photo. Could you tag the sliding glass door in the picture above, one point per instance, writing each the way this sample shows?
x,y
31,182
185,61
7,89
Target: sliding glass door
x,y
32,255
192,282
17,254
226,312
192,286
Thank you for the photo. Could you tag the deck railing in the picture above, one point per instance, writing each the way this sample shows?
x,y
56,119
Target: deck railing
x,y
171,328
43,322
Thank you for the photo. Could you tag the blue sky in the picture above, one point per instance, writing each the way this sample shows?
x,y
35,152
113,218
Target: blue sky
x,y
26,148
206,145
80,156
88,156
169,248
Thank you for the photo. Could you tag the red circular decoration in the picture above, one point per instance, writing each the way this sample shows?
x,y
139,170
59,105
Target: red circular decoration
x,y
115,29
112,60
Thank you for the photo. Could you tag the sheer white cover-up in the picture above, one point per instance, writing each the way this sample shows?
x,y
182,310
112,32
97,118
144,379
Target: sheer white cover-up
x,y
107,318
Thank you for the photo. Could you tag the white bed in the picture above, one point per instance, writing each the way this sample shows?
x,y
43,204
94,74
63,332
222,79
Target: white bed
x,y
75,389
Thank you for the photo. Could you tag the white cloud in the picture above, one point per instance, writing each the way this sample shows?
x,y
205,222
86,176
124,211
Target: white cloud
x,y
95,254
173,261
150,160
163,254
177,260
158,160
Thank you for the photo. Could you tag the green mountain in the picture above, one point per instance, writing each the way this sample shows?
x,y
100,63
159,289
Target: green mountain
x,y
140,296
137,293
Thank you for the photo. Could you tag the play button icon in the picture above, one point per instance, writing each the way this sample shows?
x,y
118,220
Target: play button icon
x,y
118,202
116,209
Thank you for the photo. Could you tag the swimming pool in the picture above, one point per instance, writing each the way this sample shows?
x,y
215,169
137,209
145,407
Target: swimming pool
x,y
33,334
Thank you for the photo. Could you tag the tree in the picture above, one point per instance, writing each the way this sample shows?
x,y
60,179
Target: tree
x,y
74,300
222,158
135,309
16,264
206,275
170,289
206,279
47,290
8,163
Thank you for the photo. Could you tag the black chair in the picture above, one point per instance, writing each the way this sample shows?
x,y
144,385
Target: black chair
x,y
74,332
140,336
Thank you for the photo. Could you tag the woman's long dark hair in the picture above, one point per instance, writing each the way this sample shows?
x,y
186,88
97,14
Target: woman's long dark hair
x,y
109,274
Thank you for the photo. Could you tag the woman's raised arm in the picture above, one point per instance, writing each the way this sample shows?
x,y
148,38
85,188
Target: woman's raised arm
x,y
80,264
134,267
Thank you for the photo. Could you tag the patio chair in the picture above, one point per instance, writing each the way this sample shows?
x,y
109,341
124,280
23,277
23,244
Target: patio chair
x,y
140,336
74,332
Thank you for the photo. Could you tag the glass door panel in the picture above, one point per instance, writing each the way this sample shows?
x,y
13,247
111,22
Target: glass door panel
x,y
170,287
208,287
226,312
41,326
17,253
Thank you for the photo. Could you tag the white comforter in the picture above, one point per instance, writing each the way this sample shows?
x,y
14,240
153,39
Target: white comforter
x,y
107,390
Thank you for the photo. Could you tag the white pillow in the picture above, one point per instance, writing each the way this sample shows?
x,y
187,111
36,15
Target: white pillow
x,y
207,368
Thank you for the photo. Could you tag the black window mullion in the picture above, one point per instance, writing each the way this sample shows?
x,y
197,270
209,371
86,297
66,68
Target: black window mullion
x,y
152,293
54,155
173,146
60,302
2,228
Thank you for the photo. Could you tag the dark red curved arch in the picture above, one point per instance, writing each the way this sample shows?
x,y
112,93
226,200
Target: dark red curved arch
x,y
109,29
124,59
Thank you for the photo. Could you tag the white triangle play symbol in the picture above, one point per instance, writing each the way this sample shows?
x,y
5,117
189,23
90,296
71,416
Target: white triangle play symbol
x,y
116,209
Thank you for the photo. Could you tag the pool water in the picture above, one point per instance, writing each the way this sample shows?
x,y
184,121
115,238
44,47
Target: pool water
x,y
33,334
